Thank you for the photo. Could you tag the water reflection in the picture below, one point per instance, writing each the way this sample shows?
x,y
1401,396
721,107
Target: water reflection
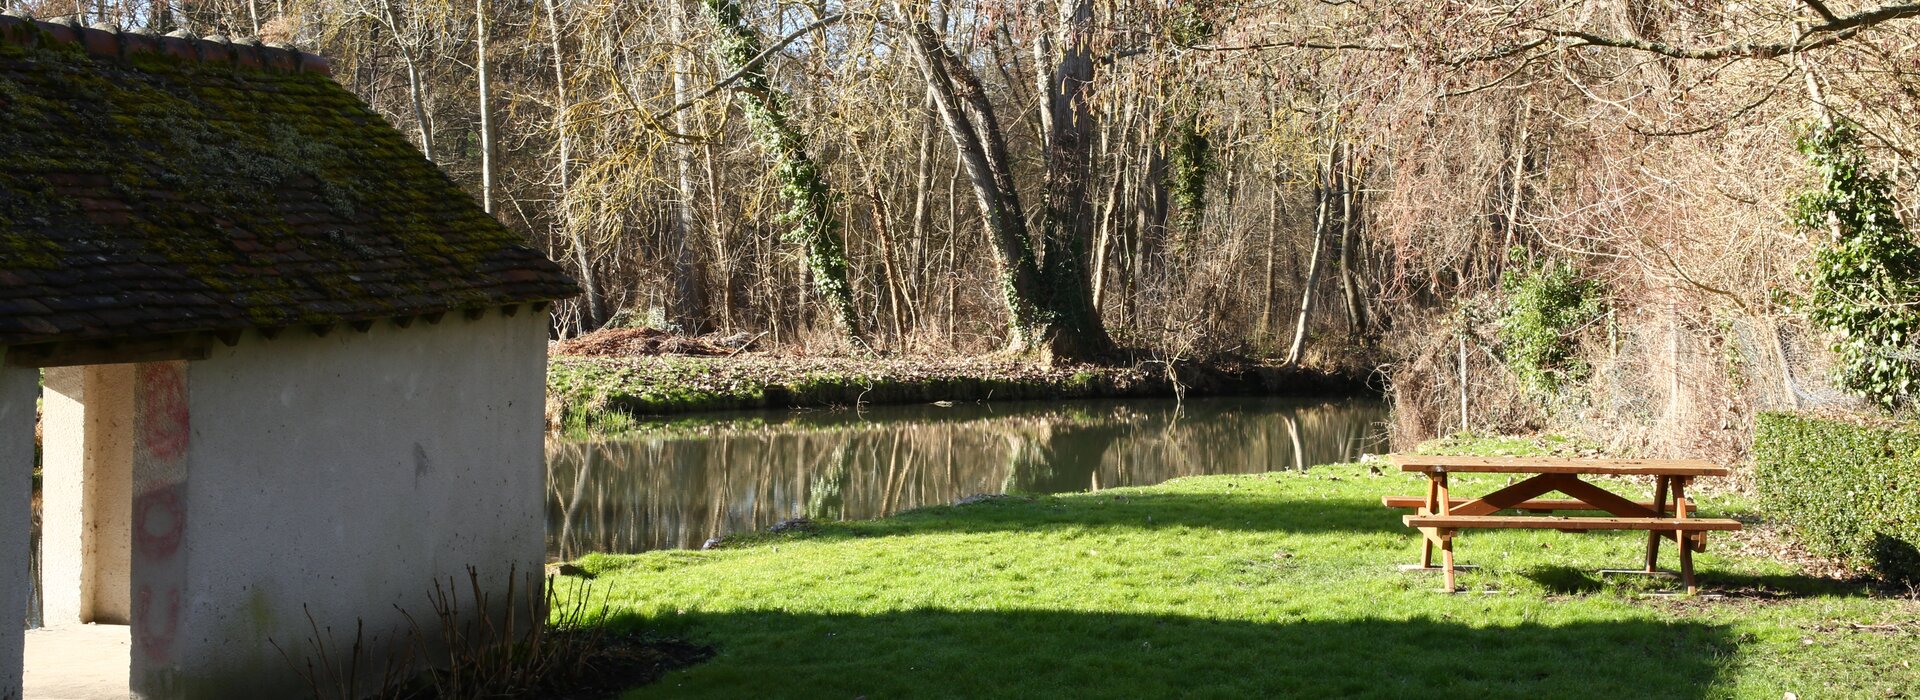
x,y
678,487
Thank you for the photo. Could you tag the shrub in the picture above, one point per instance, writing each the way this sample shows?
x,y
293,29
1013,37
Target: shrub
x,y
1545,307
1849,490
1864,280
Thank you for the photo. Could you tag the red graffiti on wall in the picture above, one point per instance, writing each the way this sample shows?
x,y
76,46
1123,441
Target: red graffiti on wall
x,y
159,521
162,425
164,418
153,629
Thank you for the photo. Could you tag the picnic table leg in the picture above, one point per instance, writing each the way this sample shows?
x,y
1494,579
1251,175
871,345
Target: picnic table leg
x,y
1686,563
1445,501
1680,507
1433,506
1659,511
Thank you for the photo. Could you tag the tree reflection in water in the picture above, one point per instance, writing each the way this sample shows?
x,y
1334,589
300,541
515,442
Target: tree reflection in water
x,y
678,487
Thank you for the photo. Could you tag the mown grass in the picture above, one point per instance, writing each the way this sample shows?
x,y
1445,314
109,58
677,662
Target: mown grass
x,y
1272,585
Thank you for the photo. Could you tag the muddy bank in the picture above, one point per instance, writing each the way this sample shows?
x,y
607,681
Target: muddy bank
x,y
604,394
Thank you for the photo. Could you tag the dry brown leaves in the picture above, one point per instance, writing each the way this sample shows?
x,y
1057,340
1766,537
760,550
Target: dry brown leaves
x,y
647,342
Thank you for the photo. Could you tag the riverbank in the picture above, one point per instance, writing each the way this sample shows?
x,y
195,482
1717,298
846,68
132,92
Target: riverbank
x,y
605,394
1269,585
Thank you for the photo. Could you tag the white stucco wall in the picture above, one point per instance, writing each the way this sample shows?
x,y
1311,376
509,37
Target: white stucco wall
x,y
18,390
343,473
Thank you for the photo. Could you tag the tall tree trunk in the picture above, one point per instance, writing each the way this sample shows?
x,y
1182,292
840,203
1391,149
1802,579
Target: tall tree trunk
x,y
883,233
1111,157
486,107
563,213
923,184
1320,226
953,246
806,191
1266,294
1068,234
1349,238
716,232
416,89
689,304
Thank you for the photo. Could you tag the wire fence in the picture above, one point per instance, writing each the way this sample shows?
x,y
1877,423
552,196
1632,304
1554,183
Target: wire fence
x,y
1657,384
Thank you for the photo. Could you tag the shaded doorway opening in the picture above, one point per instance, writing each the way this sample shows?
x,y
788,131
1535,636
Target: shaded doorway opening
x,y
84,534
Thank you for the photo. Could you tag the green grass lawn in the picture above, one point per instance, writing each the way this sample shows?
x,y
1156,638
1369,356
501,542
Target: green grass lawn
x,y
1273,585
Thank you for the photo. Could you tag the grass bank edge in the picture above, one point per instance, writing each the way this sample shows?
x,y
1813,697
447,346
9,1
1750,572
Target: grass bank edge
x,y
597,396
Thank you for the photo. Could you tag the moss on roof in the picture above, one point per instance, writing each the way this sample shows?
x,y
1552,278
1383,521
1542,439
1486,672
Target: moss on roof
x,y
153,193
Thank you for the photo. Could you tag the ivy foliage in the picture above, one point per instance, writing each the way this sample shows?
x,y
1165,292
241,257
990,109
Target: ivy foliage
x,y
810,200
1545,307
1864,278
1191,153
1187,179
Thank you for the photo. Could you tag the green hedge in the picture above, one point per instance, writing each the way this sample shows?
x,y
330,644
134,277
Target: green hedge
x,y
1849,489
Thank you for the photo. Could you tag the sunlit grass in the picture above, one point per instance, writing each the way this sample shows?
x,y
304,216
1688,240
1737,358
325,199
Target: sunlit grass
x,y
1243,586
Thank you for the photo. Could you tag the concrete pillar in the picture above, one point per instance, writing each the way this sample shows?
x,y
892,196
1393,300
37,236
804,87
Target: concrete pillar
x,y
86,499
162,663
18,389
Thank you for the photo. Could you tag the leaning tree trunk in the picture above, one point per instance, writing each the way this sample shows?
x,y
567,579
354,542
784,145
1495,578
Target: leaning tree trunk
x,y
1320,226
970,121
811,201
1050,308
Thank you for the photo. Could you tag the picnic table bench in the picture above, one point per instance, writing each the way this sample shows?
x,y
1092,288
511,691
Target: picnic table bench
x,y
1669,516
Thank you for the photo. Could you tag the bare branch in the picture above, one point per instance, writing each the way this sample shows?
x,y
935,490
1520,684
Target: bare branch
x,y
752,64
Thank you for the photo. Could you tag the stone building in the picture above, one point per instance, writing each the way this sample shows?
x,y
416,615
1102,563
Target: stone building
x,y
287,366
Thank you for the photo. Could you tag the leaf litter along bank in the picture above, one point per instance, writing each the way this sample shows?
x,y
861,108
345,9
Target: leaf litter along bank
x,y
603,393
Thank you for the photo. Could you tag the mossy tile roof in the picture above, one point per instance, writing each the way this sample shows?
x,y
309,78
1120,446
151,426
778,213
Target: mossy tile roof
x,y
153,185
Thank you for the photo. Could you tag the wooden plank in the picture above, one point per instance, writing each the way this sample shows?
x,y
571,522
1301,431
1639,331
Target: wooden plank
x,y
1565,523
1606,500
1538,505
1557,465
1521,492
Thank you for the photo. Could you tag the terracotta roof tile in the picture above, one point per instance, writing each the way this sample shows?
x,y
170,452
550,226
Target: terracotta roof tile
x,y
156,185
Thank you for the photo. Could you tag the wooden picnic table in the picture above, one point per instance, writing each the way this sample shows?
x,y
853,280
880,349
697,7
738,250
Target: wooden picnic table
x,y
1669,515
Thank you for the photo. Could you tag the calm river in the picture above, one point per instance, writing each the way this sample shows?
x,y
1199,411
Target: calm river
x,y
678,486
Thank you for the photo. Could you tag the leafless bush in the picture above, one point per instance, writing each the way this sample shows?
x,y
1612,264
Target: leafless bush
x,y
524,643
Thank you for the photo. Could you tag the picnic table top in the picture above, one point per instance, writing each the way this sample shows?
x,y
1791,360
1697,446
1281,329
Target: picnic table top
x,y
1557,465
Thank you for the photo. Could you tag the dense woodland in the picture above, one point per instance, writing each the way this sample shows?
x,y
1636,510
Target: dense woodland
x,y
1524,212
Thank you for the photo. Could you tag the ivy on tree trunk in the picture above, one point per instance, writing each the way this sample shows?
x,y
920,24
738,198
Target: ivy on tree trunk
x,y
809,199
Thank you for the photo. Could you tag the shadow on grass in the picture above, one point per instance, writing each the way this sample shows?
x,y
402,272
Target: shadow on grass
x,y
1053,654
1261,513
1786,586
1566,580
